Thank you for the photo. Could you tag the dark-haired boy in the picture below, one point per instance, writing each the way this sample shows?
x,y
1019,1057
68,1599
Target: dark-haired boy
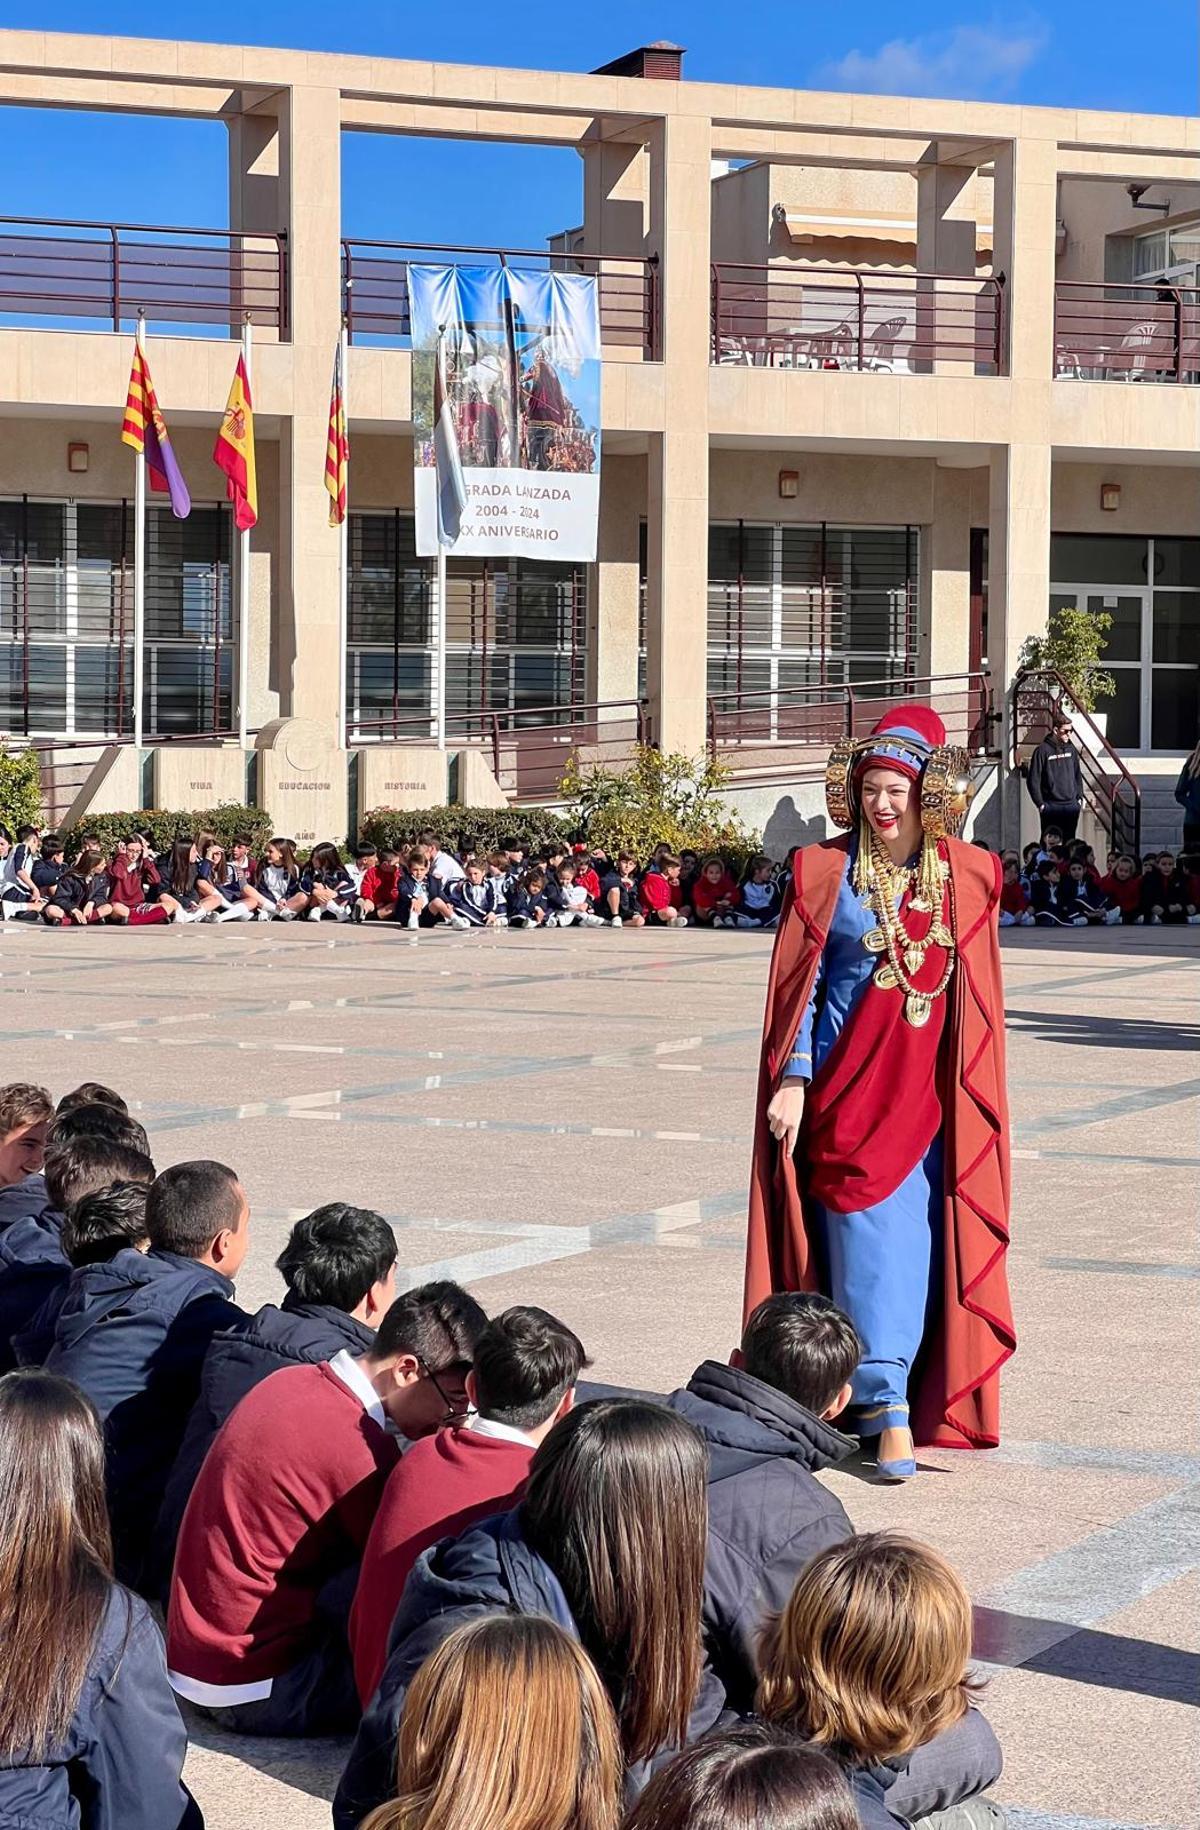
x,y
618,902
32,1260
21,895
133,1333
522,1380
767,1419
95,1229
660,895
274,1531
339,1265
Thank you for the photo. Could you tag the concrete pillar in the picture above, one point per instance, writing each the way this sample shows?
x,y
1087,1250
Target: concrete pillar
x,y
946,575
616,178
945,219
677,480
1025,206
1018,578
310,181
613,584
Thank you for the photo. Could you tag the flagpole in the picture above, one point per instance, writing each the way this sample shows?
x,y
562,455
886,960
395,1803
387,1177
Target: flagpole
x,y
139,575
344,549
440,650
244,583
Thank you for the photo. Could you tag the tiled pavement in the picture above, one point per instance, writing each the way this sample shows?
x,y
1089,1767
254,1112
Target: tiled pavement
x,y
564,1119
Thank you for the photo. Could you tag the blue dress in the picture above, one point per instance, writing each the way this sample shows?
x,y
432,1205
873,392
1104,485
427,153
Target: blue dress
x,y
882,1260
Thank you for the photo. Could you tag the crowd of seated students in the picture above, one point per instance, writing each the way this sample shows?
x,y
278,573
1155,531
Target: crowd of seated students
x,y
1052,884
529,1600
417,886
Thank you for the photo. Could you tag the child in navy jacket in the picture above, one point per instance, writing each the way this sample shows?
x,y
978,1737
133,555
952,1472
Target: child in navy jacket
x,y
328,885
478,900
759,897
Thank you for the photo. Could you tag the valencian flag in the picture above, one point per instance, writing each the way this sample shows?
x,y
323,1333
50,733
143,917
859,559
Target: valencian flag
x,y
337,449
145,430
234,450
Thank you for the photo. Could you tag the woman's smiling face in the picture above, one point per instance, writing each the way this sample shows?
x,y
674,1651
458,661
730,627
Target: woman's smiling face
x,y
889,800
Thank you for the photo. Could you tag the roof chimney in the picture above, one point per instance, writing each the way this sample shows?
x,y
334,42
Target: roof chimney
x,y
660,62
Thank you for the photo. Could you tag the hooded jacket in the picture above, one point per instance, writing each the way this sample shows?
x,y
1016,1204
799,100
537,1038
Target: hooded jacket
x,y
119,1766
767,1513
489,1570
237,1360
133,1333
1055,777
21,1198
32,1267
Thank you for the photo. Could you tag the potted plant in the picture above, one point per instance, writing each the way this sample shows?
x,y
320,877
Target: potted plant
x,y
1072,646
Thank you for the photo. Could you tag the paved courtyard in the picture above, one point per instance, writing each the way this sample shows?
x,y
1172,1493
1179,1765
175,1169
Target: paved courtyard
x,y
564,1119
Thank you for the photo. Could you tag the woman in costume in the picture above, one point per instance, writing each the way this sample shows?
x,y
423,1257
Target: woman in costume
x,y
881,1159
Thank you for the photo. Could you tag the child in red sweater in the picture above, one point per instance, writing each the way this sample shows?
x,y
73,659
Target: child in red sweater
x,y
660,895
1015,911
379,889
276,1524
521,1382
714,894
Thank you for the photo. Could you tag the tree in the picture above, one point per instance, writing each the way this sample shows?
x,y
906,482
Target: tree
x,y
658,798
1072,646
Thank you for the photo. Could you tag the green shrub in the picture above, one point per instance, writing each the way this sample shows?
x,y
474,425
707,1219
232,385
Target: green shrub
x,y
1072,646
660,799
531,827
20,789
226,821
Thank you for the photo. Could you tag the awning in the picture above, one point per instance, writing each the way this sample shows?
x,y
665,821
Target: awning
x,y
877,225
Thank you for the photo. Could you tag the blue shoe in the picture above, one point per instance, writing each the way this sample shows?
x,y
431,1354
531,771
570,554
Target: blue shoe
x,y
889,1473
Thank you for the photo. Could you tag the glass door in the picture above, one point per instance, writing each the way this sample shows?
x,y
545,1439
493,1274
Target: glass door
x,y
1128,711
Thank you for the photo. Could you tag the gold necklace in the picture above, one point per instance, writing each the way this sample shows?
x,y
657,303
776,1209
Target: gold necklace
x,y
887,883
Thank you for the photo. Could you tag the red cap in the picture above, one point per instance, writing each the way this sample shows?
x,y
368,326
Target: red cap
x,y
902,740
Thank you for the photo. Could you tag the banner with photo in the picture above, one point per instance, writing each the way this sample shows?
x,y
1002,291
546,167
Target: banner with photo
x,y
506,411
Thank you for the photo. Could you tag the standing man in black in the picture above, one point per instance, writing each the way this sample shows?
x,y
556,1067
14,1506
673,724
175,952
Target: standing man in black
x,y
1056,779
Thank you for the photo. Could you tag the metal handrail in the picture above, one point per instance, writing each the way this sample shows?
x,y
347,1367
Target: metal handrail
x,y
629,318
845,344
853,700
1058,691
1153,306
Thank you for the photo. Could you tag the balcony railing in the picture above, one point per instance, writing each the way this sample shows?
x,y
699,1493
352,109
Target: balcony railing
x,y
1116,332
375,288
111,271
793,317
788,734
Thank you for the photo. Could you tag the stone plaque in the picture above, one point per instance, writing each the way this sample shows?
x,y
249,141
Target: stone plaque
x,y
303,782
188,780
404,776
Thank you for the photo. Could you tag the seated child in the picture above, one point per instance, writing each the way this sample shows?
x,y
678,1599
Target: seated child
x,y
216,868
1123,887
277,892
619,894
660,895
365,858
525,903
421,900
713,894
376,899
1047,901
1030,859
478,899
760,897
94,1230
328,885
136,894
1015,911
19,893
870,1660
1166,894
46,867
81,895
1081,895
571,904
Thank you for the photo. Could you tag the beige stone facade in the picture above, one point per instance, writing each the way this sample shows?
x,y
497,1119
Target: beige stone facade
x,y
933,440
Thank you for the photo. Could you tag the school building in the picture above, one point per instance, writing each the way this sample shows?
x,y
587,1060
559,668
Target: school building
x,y
884,380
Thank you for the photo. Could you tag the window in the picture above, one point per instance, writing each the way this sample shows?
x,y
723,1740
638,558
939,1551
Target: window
x,y
67,620
515,634
804,610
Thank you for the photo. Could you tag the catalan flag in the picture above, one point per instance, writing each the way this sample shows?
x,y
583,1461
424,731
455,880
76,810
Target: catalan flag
x,y
337,448
234,450
145,430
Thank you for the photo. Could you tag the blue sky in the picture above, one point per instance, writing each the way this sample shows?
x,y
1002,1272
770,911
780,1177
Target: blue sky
x,y
1069,52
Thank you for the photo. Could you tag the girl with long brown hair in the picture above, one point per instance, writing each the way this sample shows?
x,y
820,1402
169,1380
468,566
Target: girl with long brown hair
x,y
90,1736
508,1725
870,1660
609,1541
753,1778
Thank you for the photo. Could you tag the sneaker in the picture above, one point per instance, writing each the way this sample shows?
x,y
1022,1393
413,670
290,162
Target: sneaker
x,y
358,913
589,920
616,922
413,922
264,914
680,921
551,921
459,921
189,915
284,914
314,914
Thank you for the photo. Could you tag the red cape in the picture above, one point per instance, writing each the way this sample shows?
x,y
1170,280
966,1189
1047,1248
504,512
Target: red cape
x,y
956,1403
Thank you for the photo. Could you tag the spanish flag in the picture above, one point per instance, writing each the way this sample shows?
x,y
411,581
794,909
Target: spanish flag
x,y
337,448
145,429
234,450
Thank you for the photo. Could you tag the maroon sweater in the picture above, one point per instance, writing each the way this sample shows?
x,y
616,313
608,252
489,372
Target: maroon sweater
x,y
284,1501
445,1483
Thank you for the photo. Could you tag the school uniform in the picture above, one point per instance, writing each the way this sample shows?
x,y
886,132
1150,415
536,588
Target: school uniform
x,y
45,873
759,904
341,884
627,897
276,883
475,902
32,1265
707,896
137,888
186,896
410,891
1167,899
69,893
1125,895
574,907
1087,899
1015,911
1051,909
656,894
14,894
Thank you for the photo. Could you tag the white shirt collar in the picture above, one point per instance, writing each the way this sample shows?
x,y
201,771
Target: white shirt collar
x,y
488,1426
349,1370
